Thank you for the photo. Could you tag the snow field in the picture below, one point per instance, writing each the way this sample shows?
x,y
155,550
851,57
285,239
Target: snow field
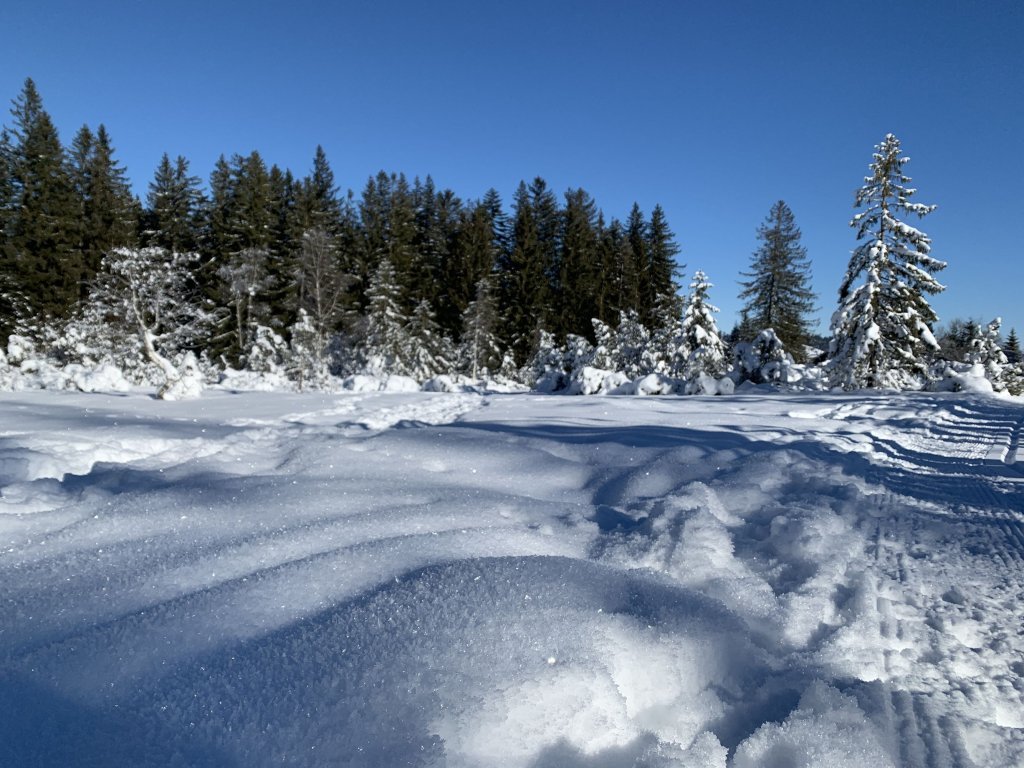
x,y
384,579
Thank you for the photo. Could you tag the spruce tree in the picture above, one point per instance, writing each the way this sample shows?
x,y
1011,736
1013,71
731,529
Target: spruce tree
x,y
480,350
579,278
525,286
8,290
881,332
428,351
244,218
986,351
620,287
1012,347
778,293
701,351
438,216
41,261
472,257
173,205
317,205
110,213
661,250
285,249
636,235
384,341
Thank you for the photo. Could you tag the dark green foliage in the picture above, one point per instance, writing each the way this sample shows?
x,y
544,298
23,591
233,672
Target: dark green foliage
x,y
525,284
317,205
778,292
41,259
270,244
1011,348
171,218
619,287
654,249
659,286
578,282
109,211
955,339
472,258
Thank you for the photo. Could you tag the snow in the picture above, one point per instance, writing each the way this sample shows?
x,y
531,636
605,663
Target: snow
x,y
388,578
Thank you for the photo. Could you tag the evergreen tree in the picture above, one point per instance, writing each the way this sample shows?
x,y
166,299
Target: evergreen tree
x,y
6,187
632,349
307,364
619,274
109,211
317,205
172,207
549,222
986,351
41,260
385,341
500,233
9,294
524,276
579,276
285,251
428,352
480,350
955,338
438,216
388,216
882,329
778,293
745,330
1012,348
472,257
636,234
244,223
659,287
701,351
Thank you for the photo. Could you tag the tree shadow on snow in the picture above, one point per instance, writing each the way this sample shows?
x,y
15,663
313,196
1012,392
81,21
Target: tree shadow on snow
x,y
41,728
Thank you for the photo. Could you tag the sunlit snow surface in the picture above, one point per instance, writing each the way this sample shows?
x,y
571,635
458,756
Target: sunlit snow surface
x,y
511,580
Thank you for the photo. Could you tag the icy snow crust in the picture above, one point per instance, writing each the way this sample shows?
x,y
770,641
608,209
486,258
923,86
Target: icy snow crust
x,y
393,579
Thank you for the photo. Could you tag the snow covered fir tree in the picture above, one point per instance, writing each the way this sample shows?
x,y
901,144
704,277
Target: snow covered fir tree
x,y
881,332
265,279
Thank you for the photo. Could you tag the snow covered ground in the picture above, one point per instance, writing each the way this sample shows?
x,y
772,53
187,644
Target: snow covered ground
x,y
511,580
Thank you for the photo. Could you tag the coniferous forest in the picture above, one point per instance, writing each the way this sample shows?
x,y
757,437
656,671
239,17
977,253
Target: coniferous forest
x,y
262,271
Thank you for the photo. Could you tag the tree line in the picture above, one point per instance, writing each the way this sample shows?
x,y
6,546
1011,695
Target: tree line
x,y
271,244
408,278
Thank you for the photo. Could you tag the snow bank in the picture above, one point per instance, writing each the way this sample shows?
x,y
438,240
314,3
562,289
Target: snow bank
x,y
376,578
826,729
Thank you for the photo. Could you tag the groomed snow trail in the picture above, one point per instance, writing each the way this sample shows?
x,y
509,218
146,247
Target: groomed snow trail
x,y
456,580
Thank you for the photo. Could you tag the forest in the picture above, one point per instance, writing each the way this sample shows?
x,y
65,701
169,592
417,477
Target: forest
x,y
265,272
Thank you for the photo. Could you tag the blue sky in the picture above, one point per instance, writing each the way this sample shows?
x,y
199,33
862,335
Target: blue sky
x,y
713,109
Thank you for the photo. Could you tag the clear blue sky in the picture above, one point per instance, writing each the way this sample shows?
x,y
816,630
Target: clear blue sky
x,y
713,109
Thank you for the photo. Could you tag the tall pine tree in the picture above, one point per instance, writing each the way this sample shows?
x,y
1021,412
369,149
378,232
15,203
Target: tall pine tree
x,y
881,332
41,261
579,274
173,203
110,212
778,293
524,280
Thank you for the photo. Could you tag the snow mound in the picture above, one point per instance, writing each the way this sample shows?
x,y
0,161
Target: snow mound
x,y
522,658
103,378
826,729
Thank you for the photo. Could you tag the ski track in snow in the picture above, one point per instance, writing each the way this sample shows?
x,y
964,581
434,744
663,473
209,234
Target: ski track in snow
x,y
457,580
